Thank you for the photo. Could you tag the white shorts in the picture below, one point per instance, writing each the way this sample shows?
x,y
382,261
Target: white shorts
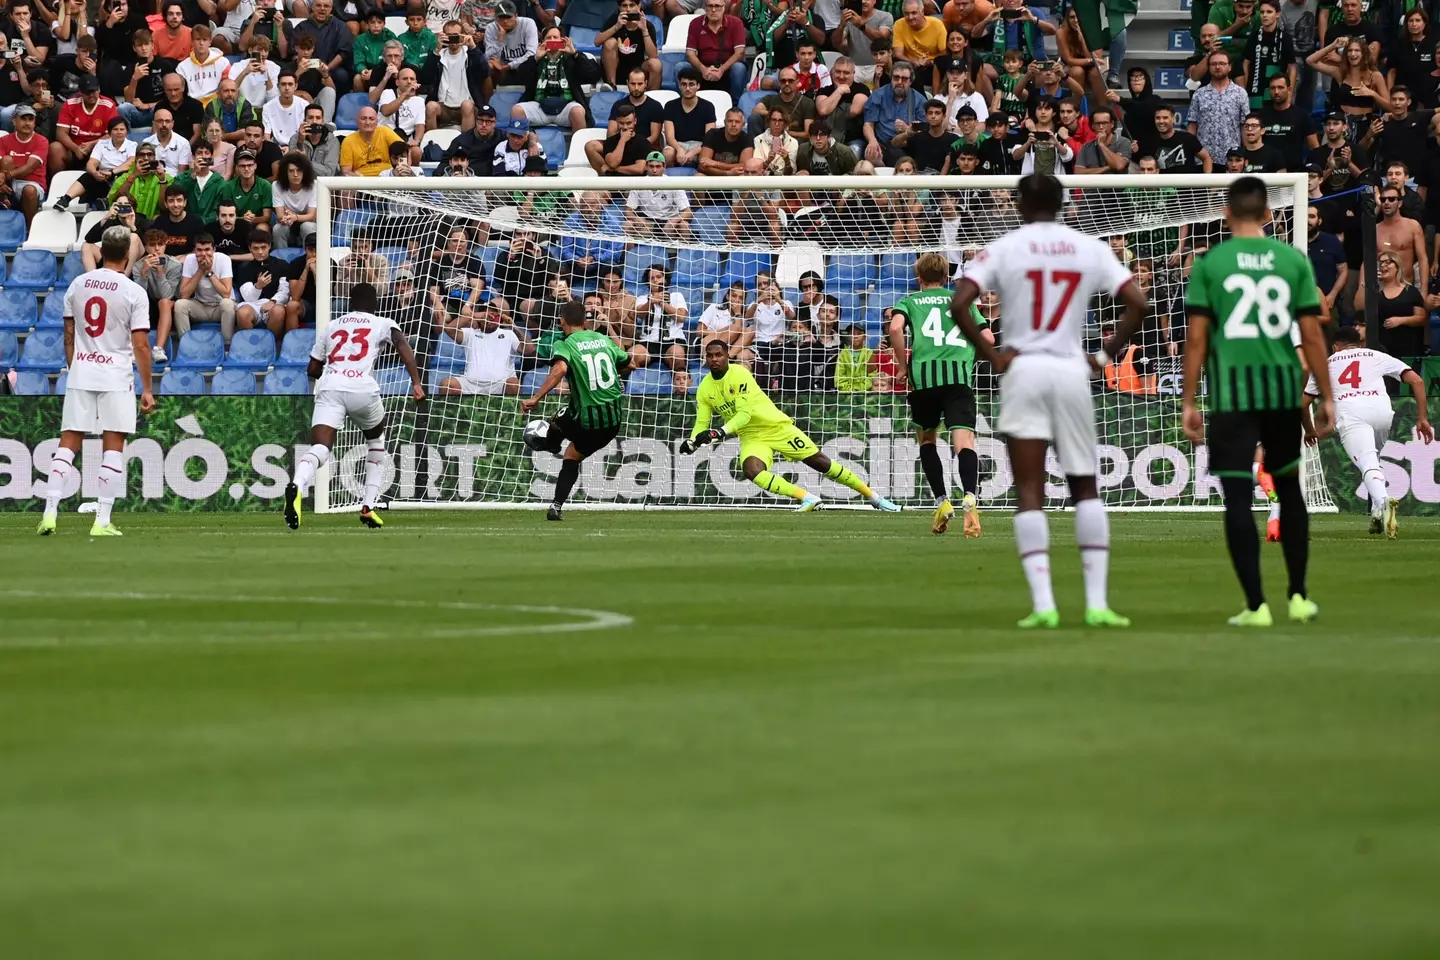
x,y
229,33
1048,398
539,118
20,186
362,407
259,306
98,411
1363,434
492,388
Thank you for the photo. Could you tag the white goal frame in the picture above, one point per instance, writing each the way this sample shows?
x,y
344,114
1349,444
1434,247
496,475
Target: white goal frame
x,y
327,187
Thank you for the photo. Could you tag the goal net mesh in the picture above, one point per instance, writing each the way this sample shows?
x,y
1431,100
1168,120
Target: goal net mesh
x,y
798,281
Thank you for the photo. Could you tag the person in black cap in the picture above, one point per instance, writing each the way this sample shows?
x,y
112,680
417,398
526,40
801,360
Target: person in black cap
x,y
82,123
1234,160
1344,161
456,164
479,142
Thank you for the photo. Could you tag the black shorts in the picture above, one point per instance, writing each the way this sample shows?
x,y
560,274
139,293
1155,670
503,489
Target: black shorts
x,y
586,440
1233,436
953,403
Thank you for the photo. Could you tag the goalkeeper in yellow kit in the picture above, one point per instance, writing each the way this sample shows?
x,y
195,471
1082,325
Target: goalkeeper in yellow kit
x,y
732,393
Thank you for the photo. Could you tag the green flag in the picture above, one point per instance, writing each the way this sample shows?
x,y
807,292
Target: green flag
x,y
1100,20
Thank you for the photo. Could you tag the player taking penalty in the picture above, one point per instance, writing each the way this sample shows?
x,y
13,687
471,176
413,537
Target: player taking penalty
x,y
107,319
1244,298
595,366
343,362
941,375
731,393
1363,416
1045,379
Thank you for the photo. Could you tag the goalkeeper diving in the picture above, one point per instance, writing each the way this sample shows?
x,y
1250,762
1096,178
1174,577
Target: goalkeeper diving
x,y
730,392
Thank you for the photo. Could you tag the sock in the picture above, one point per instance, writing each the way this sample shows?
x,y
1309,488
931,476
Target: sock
x,y
934,470
779,486
969,462
112,484
310,461
1274,513
1241,538
842,475
1294,530
60,466
374,469
569,473
1092,534
1375,487
1032,537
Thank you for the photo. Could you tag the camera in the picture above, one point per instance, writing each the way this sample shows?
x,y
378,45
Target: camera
x,y
1008,15
632,18
1042,136
267,16
453,39
123,209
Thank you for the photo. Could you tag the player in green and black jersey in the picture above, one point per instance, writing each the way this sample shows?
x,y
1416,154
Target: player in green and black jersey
x,y
595,366
1244,299
941,374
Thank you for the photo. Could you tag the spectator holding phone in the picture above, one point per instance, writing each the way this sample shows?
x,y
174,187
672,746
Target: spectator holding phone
x,y
271,24
317,144
458,72
145,182
259,76
555,95
158,274
627,42
122,214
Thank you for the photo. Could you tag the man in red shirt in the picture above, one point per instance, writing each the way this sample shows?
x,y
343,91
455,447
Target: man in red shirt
x,y
23,155
716,47
82,122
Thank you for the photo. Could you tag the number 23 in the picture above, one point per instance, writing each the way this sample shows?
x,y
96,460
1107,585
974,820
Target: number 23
x,y
360,339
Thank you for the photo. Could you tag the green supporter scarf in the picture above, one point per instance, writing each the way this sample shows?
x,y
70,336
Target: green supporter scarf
x,y
1100,20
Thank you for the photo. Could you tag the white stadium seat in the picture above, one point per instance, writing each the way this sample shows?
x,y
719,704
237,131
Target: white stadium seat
x,y
677,34
61,182
578,139
442,137
663,97
796,260
51,230
722,102
86,222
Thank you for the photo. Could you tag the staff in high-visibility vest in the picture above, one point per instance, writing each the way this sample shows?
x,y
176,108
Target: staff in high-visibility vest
x,y
1123,374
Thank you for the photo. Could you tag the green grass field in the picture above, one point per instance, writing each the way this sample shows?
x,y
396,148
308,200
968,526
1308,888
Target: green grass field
x,y
773,736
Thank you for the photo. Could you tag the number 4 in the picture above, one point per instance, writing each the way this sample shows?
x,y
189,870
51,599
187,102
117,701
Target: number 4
x,y
1071,280
1350,377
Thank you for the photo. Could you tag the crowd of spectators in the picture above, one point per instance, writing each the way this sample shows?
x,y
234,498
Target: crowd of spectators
x,y
202,124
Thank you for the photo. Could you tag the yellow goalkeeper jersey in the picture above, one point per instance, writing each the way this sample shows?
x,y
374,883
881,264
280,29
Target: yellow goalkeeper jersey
x,y
739,401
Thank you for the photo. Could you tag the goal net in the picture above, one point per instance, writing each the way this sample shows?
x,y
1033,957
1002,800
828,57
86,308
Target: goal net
x,y
796,274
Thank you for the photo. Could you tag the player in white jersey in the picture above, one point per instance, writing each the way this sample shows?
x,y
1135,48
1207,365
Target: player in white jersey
x,y
107,318
341,363
1045,274
1363,415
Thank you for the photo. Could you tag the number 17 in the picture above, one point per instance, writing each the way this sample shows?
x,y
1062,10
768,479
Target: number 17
x,y
1038,284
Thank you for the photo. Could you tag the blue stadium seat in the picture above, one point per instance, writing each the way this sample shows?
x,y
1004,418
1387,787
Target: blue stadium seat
x,y
681,172
659,26
2,271
552,141
447,357
182,382
296,346
711,224
73,266
743,267
896,270
393,381
346,221
696,300
653,381
671,63
347,111
288,254
202,347
250,348
602,103
502,101
52,314
9,350
234,382
12,230
852,270
583,37
697,268
18,309
749,99
61,380
44,350
851,303
32,383
396,255
640,257
32,270
488,256
286,381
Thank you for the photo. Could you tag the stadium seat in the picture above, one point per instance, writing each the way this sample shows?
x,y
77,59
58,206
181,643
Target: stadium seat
x,y
32,269
663,97
441,138
43,350
722,103
86,222
576,156
62,181
711,225
639,257
396,255
32,383
9,349
202,347
852,302
286,381
652,381
393,381
552,142
749,99
396,25
346,222
447,356
697,268
2,271
896,270
52,314
347,110
51,232
138,135
12,230
797,260
71,267
850,270
602,103
18,309
234,382
250,349
502,101
60,382
288,254
681,172
660,31
182,382
743,267
530,381
679,33
296,346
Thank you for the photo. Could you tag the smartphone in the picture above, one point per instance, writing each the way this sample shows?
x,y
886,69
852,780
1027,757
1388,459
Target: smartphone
x,y
554,44
123,209
1009,14
1042,136
17,48
312,64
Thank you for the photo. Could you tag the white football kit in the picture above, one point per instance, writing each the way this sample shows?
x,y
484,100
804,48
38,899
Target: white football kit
x,y
1363,413
106,308
1045,274
347,388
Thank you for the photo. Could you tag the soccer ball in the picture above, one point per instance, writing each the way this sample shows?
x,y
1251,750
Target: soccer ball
x,y
542,435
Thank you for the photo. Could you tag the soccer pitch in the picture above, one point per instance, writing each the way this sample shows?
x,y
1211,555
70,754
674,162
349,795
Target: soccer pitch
x,y
706,735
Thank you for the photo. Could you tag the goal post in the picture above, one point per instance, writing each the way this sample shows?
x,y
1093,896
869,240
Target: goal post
x,y
467,266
